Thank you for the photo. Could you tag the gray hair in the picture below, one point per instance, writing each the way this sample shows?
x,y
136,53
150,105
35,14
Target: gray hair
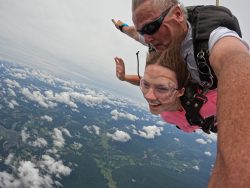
x,y
163,4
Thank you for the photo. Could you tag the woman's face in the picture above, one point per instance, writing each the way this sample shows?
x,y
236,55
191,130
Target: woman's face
x,y
159,87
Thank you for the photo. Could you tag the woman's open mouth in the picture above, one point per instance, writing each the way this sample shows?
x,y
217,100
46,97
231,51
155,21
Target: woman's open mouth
x,y
154,105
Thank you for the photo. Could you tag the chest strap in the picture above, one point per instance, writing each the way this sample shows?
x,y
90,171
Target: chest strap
x,y
192,103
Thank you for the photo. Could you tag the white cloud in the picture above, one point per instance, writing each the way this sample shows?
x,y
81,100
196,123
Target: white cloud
x,y
8,180
58,184
201,141
54,167
77,145
12,83
70,98
97,130
88,128
36,96
89,99
209,137
49,94
133,126
9,159
58,139
177,139
44,77
161,123
92,129
12,104
116,115
25,174
29,175
66,132
196,168
24,135
47,118
11,92
65,97
35,174
39,142
208,153
20,75
149,132
120,136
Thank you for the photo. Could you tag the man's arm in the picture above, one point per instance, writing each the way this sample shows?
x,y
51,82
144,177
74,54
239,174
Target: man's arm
x,y
230,60
130,31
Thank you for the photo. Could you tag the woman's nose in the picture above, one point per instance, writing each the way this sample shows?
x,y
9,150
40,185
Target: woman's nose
x,y
150,94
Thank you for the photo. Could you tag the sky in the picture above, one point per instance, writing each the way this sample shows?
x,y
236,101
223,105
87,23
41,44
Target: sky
x,y
76,39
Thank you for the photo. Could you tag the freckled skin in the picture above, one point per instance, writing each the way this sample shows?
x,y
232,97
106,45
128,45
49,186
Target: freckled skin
x,y
232,67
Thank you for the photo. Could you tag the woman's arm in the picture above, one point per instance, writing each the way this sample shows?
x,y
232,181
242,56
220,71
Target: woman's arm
x,y
120,73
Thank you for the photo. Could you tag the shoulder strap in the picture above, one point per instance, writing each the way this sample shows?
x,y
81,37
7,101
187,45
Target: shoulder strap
x,y
204,19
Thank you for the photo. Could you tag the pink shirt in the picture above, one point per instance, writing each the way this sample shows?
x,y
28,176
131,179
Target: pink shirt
x,y
178,117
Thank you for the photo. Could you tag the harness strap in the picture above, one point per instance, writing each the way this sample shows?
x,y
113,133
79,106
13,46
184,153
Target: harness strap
x,y
192,102
204,19
209,125
193,116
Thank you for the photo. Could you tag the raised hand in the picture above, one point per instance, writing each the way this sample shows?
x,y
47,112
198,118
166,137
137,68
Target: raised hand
x,y
120,68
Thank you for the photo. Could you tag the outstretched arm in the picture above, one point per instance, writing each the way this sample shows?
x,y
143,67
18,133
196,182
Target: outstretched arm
x,y
129,30
120,73
230,60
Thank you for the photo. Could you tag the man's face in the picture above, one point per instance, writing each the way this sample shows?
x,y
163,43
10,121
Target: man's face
x,y
158,27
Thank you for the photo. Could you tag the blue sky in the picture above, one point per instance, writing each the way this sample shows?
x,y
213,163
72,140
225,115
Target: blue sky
x,y
77,39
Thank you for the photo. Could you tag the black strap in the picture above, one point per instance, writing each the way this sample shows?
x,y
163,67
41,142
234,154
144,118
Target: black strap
x,y
209,125
204,19
192,102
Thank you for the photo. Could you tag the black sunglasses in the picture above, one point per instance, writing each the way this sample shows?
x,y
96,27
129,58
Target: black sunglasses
x,y
152,27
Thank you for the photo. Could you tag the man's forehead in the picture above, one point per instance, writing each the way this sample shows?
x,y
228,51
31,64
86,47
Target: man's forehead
x,y
145,13
147,6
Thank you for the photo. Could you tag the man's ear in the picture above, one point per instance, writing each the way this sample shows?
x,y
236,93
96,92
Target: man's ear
x,y
178,14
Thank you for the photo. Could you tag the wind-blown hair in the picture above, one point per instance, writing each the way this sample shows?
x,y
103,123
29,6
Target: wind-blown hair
x,y
171,58
158,3
161,4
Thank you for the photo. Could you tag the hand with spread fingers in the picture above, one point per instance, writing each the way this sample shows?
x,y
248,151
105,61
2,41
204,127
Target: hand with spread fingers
x,y
120,68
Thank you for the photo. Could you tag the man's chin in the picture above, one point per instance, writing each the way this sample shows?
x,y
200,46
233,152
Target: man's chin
x,y
161,47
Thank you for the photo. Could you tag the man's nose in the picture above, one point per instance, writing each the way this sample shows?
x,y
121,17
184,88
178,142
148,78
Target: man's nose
x,y
148,38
